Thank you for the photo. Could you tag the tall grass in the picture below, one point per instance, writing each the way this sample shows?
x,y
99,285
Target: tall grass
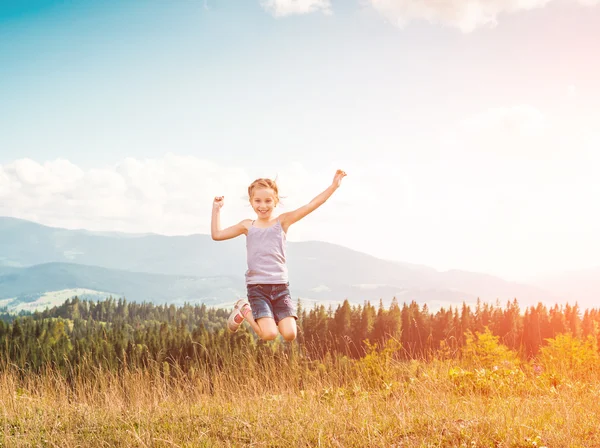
x,y
282,400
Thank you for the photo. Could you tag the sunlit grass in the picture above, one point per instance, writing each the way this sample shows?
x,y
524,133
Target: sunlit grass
x,y
376,401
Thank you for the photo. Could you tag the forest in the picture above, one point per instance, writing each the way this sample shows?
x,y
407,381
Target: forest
x,y
113,333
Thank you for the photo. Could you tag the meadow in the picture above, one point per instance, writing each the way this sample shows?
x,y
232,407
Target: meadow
x,y
488,399
231,390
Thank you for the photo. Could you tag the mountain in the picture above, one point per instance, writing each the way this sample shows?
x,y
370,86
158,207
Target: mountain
x,y
36,259
581,286
24,244
27,284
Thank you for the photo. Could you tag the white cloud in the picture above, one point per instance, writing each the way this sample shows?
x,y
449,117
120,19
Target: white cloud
x,y
466,15
517,148
512,187
171,195
282,8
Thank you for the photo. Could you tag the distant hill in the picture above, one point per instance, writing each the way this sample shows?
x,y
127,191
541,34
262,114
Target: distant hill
x,y
28,284
50,299
582,286
35,259
24,244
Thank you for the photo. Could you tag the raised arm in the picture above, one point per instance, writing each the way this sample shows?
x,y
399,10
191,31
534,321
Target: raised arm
x,y
219,234
289,218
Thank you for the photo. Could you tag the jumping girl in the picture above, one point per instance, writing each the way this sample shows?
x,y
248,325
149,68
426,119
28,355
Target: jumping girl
x,y
269,307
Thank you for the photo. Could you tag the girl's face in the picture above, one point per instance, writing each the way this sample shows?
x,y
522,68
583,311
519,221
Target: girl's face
x,y
263,202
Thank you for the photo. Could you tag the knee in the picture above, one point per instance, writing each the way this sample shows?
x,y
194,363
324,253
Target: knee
x,y
269,334
289,335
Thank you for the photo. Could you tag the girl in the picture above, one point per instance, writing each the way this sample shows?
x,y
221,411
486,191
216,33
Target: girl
x,y
270,308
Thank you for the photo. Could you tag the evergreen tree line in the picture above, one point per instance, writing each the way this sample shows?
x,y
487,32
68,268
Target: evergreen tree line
x,y
115,334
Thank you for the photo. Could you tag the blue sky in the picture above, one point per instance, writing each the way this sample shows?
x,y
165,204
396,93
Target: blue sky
x,y
469,133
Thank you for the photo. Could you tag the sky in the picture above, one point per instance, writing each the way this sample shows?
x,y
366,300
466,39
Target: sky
x,y
468,128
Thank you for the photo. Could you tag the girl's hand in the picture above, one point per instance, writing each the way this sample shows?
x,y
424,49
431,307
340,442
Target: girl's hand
x,y
218,202
337,179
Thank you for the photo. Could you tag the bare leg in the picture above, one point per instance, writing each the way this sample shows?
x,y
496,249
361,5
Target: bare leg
x,y
288,329
264,327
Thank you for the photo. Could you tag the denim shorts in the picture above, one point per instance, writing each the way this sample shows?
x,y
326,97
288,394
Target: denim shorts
x,y
272,301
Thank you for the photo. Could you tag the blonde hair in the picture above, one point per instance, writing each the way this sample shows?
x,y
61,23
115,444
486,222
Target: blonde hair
x,y
263,183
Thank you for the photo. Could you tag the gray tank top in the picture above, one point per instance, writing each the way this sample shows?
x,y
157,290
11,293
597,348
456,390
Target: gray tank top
x,y
266,255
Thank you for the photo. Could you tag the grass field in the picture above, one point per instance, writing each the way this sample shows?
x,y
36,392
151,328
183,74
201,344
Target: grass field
x,y
372,402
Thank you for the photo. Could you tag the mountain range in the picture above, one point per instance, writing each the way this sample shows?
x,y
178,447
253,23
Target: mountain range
x,y
36,260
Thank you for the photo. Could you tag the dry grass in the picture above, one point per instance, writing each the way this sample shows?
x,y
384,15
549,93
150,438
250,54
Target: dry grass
x,y
276,404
